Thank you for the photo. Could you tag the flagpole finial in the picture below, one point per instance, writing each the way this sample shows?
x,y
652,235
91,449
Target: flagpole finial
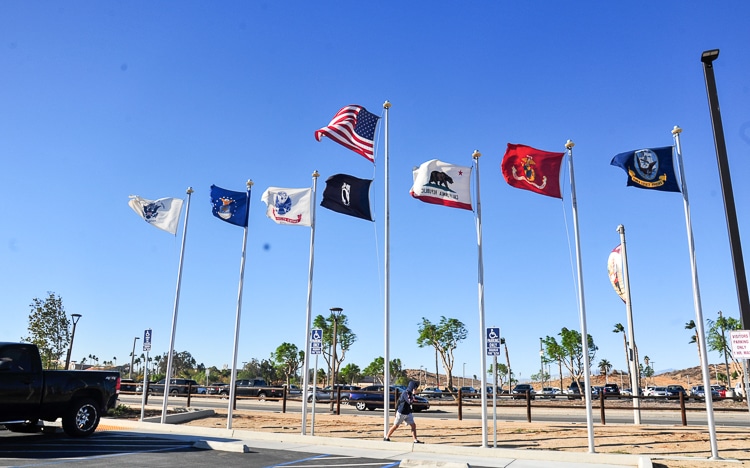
x,y
621,229
476,154
569,145
676,130
189,190
387,105
316,174
249,183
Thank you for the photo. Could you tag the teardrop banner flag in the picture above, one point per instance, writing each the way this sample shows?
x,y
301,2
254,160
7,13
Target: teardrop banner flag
x,y
614,268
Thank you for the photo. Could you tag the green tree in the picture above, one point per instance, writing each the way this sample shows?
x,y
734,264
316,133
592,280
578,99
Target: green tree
x,y
183,364
502,373
49,329
620,329
694,337
717,340
554,352
344,338
288,359
444,337
376,370
605,367
569,352
350,373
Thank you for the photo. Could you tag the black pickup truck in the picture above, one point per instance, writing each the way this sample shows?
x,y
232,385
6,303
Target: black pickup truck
x,y
29,394
257,388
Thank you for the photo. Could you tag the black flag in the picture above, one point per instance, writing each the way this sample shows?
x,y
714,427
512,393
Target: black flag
x,y
348,195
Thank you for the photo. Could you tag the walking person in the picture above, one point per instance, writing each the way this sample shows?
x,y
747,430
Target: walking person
x,y
404,413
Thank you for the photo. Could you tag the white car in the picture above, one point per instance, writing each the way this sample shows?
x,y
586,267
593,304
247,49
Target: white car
x,y
550,392
738,389
656,392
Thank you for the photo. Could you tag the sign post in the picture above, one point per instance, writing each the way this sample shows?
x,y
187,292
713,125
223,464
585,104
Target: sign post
x,y
144,387
493,349
316,348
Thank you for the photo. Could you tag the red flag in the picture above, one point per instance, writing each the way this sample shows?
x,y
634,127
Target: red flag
x,y
528,168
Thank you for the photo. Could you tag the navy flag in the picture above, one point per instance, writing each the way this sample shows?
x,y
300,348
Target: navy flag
x,y
229,206
348,195
649,168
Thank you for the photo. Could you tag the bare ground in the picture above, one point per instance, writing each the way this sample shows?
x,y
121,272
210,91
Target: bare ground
x,y
667,445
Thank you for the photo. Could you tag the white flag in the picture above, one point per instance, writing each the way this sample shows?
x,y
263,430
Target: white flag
x,y
443,184
163,213
289,206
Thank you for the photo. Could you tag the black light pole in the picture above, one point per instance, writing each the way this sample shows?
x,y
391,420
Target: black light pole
x,y
76,318
132,358
735,244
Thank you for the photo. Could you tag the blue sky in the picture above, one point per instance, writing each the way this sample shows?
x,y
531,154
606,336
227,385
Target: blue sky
x,y
104,100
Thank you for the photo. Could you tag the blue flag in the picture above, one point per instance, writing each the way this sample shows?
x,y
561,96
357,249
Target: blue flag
x,y
229,206
649,168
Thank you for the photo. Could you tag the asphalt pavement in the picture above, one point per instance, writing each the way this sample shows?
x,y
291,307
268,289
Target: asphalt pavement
x,y
401,453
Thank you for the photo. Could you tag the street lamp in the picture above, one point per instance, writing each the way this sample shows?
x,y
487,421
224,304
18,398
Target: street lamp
x,y
463,376
541,362
336,314
132,357
76,318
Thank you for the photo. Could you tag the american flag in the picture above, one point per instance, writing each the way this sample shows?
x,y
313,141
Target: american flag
x,y
354,127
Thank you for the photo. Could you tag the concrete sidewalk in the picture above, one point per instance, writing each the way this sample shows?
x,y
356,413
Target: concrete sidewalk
x,y
410,455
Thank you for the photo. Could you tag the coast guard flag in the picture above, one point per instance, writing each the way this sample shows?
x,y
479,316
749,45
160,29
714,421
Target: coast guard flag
x,y
353,127
163,213
649,168
229,206
442,184
531,169
289,206
348,195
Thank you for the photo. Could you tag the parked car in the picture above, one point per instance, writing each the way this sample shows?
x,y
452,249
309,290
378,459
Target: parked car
x,y
319,394
611,390
656,392
345,391
738,389
149,385
177,387
469,392
431,392
520,390
293,390
371,397
218,388
549,392
699,393
721,389
674,391
128,385
575,390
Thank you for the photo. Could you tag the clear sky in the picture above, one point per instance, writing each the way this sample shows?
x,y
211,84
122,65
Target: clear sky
x,y
102,100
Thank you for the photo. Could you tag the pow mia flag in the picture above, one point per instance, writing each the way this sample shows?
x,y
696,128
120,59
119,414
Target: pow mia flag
x,y
348,195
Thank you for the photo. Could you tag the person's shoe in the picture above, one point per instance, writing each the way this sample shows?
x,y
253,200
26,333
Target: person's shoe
x,y
418,442
386,439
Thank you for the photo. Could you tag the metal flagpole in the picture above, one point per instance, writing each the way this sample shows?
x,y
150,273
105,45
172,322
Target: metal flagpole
x,y
308,319
697,301
239,313
174,313
386,287
480,288
581,303
632,364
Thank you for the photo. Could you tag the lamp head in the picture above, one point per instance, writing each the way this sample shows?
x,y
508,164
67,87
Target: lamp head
x,y
709,55
75,318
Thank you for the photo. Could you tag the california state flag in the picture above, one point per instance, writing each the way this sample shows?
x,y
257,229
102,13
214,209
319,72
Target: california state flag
x,y
443,184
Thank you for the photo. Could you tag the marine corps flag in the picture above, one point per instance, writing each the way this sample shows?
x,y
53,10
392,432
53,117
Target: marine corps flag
x,y
649,168
348,195
531,169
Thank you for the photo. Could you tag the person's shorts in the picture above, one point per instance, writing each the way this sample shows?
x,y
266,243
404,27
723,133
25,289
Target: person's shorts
x,y
404,418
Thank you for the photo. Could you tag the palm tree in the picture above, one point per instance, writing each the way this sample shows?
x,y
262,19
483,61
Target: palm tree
x,y
605,367
694,338
620,329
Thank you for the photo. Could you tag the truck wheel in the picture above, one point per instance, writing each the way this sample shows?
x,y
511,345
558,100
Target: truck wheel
x,y
28,427
81,418
175,392
262,396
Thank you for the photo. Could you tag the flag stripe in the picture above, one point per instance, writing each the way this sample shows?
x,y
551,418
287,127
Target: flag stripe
x,y
352,127
444,184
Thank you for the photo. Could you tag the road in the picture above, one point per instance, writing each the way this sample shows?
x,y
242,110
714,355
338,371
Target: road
x,y
561,411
